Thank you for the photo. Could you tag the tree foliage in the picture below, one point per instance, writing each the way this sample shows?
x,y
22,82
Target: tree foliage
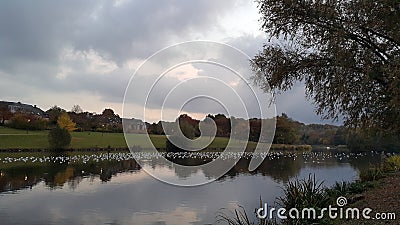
x,y
285,131
65,122
346,52
77,109
23,121
54,112
5,114
59,138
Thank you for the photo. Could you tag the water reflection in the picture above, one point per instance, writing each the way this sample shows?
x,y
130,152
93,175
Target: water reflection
x,y
114,189
60,171
57,170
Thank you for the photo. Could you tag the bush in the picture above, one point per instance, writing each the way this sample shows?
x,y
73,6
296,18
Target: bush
x,y
392,164
304,193
20,121
181,141
372,174
284,147
347,188
59,138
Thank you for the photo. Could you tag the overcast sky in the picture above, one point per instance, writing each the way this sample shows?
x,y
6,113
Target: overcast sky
x,y
84,52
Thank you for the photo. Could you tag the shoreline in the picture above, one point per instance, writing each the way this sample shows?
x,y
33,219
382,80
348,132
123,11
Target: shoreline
x,y
383,197
274,147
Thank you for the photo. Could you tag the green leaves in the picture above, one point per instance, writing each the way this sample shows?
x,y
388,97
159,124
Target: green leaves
x,y
59,138
346,53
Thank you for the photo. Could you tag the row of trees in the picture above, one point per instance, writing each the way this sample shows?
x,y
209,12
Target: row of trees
x,y
61,123
107,121
289,131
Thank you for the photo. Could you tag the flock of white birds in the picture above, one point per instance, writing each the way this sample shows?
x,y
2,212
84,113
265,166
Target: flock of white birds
x,y
309,157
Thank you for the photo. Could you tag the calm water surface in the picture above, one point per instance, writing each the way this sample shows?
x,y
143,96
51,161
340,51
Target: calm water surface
x,y
114,189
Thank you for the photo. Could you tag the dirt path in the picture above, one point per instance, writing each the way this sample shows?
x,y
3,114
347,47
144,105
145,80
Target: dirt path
x,y
382,199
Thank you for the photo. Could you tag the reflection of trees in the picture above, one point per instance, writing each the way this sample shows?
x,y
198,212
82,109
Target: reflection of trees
x,y
190,162
56,174
19,177
279,169
364,162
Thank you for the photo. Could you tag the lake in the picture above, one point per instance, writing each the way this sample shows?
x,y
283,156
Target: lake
x,y
114,189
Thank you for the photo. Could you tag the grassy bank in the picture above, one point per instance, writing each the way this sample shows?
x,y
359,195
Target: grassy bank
x,y
20,139
284,147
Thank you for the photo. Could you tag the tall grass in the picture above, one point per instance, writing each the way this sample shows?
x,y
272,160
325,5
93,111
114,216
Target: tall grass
x,y
304,193
240,217
371,174
299,194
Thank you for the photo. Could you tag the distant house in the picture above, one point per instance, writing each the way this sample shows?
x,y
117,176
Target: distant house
x,y
18,107
134,126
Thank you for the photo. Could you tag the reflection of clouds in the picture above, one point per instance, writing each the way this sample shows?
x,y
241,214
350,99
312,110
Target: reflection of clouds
x,y
175,173
93,183
232,205
178,216
131,177
136,198
56,213
95,218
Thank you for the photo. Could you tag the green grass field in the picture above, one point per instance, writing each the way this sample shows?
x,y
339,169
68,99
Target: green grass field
x,y
19,139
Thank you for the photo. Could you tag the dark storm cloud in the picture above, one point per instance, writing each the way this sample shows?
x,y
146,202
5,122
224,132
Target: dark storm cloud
x,y
93,47
34,35
39,30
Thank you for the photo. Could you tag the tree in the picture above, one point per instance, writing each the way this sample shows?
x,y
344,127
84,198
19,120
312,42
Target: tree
x,y
19,121
5,114
54,112
59,138
240,129
223,125
188,130
76,109
285,132
107,113
340,137
346,52
65,122
207,127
